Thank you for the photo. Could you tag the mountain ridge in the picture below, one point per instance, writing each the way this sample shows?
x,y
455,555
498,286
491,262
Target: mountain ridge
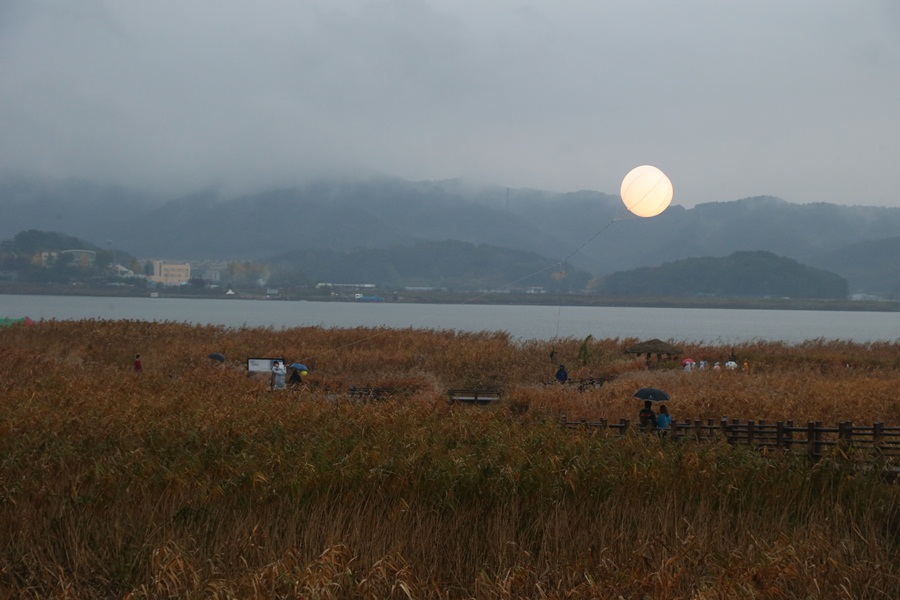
x,y
589,229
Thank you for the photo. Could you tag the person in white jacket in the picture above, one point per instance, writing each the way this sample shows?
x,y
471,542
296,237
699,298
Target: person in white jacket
x,y
278,375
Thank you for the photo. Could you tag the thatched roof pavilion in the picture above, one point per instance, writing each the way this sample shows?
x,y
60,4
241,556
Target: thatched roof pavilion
x,y
654,346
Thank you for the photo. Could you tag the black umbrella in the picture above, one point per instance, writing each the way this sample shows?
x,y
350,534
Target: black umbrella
x,y
653,394
217,356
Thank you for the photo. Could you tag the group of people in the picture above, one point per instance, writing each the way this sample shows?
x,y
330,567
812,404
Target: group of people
x,y
280,380
730,365
661,421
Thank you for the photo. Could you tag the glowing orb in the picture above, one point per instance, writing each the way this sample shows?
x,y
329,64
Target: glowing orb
x,y
646,191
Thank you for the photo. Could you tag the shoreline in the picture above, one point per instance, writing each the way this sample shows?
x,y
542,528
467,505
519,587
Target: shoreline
x,y
498,299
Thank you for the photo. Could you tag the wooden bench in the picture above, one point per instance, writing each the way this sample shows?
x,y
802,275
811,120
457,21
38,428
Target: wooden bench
x,y
473,396
368,393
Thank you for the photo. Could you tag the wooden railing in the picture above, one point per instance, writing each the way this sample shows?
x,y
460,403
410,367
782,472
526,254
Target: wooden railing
x,y
584,383
813,438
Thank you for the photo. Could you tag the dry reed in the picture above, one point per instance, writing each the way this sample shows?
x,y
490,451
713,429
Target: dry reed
x,y
193,480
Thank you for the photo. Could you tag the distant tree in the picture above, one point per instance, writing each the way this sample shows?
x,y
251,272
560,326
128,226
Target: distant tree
x,y
65,260
288,279
247,273
103,259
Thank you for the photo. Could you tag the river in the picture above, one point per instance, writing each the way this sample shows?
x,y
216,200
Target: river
x,y
722,326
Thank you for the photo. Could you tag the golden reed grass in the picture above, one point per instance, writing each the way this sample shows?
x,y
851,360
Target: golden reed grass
x,y
193,480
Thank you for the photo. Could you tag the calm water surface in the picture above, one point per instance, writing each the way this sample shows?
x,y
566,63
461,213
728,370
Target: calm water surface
x,y
523,322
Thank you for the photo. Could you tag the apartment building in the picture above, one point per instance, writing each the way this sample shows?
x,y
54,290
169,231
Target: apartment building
x,y
170,273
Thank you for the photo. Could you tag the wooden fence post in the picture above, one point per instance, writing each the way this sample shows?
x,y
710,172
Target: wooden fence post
x,y
877,436
845,433
819,436
814,439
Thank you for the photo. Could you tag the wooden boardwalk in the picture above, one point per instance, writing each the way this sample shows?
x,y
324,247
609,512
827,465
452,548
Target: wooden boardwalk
x,y
812,438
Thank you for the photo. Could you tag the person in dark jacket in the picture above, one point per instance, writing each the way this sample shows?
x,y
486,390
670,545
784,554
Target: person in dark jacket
x,y
561,375
647,416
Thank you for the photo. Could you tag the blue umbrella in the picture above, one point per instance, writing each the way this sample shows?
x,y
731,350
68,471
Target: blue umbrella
x,y
299,367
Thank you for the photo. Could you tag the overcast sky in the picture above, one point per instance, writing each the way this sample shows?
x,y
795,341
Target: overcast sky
x,y
799,99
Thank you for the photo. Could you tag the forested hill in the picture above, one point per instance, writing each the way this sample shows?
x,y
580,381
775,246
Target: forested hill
x,y
450,264
590,227
742,274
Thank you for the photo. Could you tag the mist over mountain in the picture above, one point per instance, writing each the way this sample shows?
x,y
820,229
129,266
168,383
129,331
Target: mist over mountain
x,y
81,208
591,228
872,266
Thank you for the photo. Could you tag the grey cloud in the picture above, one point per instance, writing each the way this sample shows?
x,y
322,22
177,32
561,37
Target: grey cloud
x,y
730,99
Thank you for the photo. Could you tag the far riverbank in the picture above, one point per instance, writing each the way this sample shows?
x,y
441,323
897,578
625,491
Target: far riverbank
x,y
485,298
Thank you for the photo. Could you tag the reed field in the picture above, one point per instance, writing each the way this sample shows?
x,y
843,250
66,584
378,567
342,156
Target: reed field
x,y
194,480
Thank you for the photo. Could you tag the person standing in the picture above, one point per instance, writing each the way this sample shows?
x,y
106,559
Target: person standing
x,y
647,417
664,420
278,375
296,377
138,365
561,375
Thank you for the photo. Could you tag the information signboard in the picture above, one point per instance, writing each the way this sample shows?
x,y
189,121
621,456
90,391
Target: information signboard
x,y
262,365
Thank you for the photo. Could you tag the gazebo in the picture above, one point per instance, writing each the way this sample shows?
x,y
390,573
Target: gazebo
x,y
657,347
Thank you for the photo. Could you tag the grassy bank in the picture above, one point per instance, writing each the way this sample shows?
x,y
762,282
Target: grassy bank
x,y
193,480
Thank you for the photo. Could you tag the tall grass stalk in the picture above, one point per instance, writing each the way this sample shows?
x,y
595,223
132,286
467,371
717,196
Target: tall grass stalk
x,y
193,480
